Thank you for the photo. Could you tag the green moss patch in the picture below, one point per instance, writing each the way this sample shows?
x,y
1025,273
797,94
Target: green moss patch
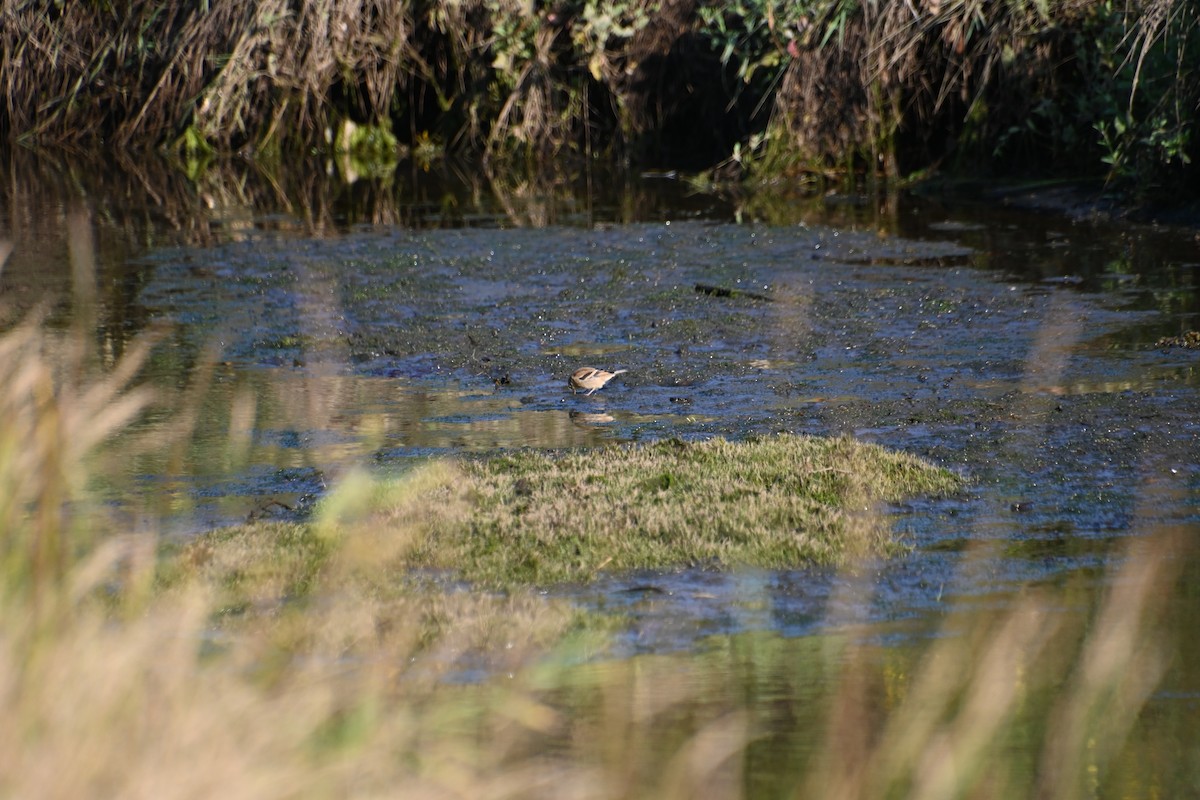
x,y
783,501
537,518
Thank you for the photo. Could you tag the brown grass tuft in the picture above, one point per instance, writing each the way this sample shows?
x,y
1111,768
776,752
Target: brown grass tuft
x,y
54,414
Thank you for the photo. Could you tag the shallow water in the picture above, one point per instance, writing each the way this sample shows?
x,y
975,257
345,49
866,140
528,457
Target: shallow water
x,y
1015,347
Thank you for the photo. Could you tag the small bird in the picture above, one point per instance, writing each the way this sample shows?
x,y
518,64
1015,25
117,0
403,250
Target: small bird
x,y
590,378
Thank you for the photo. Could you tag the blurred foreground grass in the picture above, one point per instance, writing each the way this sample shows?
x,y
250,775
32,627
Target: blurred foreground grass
x,y
250,664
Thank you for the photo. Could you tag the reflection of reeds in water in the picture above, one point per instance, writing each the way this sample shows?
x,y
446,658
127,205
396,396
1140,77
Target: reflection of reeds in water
x,y
234,199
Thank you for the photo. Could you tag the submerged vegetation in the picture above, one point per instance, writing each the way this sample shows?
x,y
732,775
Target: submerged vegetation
x,y
821,87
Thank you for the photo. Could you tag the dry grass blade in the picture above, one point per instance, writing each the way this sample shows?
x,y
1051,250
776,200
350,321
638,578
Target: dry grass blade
x,y
234,70
1121,663
710,764
49,423
1154,20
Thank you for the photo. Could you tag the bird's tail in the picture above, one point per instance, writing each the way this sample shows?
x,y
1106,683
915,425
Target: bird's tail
x,y
619,371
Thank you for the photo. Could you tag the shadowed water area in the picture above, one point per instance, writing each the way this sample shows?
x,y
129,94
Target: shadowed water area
x,y
1017,348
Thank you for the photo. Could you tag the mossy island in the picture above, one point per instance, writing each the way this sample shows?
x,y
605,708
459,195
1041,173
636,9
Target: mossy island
x,y
535,518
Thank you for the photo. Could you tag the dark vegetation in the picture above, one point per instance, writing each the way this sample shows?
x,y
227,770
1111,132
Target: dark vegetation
x,y
816,88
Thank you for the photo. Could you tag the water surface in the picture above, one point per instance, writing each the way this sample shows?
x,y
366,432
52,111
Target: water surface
x,y
1015,347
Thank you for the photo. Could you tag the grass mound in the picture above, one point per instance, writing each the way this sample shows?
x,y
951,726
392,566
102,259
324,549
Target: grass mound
x,y
533,517
536,518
